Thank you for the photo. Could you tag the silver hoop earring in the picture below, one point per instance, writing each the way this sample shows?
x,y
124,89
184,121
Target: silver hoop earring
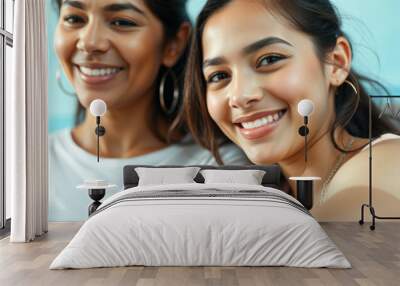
x,y
352,86
175,98
61,85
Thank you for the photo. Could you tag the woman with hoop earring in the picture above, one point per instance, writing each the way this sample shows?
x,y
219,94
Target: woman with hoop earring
x,y
131,56
246,87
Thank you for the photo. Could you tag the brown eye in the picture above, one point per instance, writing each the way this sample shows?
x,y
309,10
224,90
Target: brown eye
x,y
123,23
73,19
216,77
269,60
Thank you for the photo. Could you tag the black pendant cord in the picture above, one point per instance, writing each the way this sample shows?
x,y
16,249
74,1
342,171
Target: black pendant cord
x,y
370,202
98,136
305,148
305,137
98,145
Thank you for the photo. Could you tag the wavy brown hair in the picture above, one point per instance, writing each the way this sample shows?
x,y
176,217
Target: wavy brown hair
x,y
172,14
320,21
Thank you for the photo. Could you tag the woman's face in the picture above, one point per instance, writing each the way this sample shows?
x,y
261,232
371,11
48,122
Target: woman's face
x,y
109,49
257,68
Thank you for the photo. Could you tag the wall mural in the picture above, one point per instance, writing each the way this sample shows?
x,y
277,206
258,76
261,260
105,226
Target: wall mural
x,y
139,83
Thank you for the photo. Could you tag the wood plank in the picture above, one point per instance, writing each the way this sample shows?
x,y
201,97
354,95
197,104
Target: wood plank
x,y
374,255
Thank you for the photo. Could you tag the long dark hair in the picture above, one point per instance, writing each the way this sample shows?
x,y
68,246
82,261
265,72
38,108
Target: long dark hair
x,y
319,20
172,14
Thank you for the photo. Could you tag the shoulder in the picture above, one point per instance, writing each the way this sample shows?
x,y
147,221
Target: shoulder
x,y
384,150
60,142
59,136
385,166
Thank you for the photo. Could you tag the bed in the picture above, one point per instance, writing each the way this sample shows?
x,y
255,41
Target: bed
x,y
201,223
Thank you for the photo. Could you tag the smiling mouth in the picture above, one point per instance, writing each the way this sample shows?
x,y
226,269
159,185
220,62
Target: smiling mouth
x,y
97,75
260,127
263,121
98,72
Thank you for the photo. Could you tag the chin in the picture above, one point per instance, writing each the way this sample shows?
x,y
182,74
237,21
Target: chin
x,y
87,96
259,155
86,100
263,161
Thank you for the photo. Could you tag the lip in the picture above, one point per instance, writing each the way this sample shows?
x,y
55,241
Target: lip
x,y
96,80
95,65
255,116
262,131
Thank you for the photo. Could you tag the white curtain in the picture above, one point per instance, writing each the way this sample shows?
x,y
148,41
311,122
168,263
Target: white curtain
x,y
26,124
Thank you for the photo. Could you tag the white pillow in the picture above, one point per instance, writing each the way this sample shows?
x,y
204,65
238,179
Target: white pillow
x,y
248,177
162,176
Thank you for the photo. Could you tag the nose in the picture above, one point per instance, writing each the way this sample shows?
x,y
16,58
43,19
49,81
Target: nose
x,y
92,39
245,93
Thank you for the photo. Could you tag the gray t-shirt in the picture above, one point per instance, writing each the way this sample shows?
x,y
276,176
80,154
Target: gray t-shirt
x,y
70,165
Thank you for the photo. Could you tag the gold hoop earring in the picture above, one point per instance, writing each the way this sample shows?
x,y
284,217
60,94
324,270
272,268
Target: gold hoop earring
x,y
352,86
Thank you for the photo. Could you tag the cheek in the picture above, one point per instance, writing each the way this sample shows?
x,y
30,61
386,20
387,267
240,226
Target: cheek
x,y
142,46
294,88
140,49
220,111
309,83
143,54
58,42
64,48
217,108
301,81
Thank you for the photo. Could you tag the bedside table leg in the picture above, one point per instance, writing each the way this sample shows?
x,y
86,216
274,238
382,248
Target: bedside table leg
x,y
305,193
96,195
93,207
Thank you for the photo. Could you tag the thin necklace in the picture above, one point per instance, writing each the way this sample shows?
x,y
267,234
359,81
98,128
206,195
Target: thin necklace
x,y
335,168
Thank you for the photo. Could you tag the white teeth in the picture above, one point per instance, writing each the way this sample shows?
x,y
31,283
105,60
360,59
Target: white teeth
x,y
263,121
98,72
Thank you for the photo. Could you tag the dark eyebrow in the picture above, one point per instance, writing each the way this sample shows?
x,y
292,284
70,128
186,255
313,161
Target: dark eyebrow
x,y
109,8
248,50
263,43
123,6
73,3
213,62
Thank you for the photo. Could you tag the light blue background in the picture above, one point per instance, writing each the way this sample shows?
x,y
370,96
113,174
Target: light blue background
x,y
373,26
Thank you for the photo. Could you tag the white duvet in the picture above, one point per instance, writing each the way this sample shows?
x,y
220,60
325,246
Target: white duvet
x,y
185,230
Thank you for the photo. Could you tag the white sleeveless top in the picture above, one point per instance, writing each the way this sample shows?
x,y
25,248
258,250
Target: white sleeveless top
x,y
70,165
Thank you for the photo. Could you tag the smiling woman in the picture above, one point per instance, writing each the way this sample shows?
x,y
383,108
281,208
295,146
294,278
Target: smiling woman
x,y
246,86
123,46
130,54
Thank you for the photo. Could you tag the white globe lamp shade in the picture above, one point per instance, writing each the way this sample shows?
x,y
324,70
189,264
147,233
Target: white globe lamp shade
x,y
98,107
305,107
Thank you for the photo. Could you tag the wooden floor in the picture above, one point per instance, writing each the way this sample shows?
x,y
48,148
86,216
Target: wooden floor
x,y
374,255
